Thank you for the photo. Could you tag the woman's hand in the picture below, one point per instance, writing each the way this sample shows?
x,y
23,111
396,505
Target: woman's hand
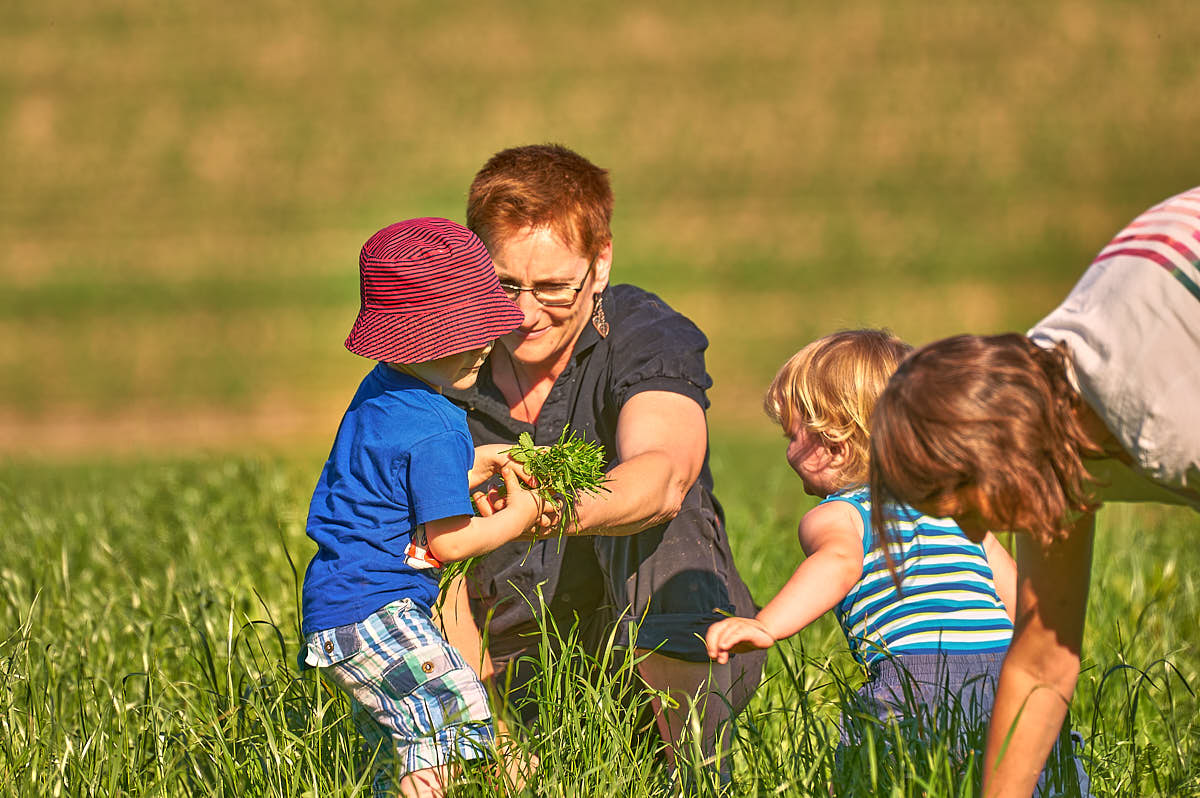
x,y
735,636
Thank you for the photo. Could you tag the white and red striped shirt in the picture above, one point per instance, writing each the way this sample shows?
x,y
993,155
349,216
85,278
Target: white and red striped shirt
x,y
1132,325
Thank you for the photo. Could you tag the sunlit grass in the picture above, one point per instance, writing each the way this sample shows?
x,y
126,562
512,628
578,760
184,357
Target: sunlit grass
x,y
148,634
185,191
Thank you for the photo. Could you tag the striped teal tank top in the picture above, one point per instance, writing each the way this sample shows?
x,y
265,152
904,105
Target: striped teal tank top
x,y
947,602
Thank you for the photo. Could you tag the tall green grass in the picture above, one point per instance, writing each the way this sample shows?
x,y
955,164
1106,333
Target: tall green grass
x,y
148,635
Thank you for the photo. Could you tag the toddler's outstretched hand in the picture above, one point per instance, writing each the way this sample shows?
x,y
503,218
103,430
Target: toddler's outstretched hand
x,y
734,636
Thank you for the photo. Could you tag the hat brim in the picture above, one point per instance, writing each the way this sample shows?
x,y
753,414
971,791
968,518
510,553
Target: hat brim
x,y
420,337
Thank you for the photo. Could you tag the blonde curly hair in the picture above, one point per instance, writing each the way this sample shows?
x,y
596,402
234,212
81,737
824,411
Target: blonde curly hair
x,y
830,387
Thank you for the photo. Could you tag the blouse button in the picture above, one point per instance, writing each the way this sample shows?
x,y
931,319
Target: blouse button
x,y
328,646
427,667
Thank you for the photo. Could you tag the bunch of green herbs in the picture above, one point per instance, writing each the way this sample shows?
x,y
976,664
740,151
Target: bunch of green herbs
x,y
565,470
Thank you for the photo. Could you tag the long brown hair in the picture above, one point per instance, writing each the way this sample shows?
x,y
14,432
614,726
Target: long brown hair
x,y
994,413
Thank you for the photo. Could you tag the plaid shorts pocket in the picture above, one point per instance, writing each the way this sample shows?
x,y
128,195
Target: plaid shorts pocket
x,y
409,687
436,687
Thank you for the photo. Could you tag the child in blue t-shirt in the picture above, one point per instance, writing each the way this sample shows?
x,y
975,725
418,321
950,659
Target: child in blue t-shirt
x,y
393,502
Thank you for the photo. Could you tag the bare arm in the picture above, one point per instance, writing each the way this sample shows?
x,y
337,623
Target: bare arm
x,y
832,537
461,536
661,441
1042,666
1004,573
458,626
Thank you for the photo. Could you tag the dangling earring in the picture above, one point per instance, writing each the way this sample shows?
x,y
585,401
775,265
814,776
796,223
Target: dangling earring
x,y
598,320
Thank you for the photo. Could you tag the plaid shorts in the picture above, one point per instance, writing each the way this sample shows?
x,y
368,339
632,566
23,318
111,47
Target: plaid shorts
x,y
409,688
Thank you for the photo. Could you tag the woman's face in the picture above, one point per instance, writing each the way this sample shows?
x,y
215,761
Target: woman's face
x,y
534,257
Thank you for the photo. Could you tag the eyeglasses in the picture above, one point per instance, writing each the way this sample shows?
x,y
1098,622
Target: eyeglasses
x,y
554,295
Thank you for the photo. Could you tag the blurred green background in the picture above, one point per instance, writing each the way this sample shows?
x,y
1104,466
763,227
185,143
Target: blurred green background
x,y
185,185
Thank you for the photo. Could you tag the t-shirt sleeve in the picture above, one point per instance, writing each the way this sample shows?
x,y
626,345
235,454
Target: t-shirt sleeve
x,y
437,477
658,349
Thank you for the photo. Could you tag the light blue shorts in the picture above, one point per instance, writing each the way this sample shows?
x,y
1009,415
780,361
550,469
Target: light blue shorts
x,y
414,697
956,691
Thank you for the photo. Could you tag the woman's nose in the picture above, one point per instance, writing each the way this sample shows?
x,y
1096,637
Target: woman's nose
x,y
529,306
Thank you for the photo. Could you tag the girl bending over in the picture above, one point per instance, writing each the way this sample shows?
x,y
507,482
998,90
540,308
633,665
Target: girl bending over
x,y
1034,433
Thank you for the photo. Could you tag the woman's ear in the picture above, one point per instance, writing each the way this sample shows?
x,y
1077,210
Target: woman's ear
x,y
602,267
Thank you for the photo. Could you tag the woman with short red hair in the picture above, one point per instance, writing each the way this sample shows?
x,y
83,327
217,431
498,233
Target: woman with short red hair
x,y
649,564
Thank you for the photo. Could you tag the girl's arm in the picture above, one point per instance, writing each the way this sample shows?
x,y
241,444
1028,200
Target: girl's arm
x,y
461,536
1004,573
1042,665
832,537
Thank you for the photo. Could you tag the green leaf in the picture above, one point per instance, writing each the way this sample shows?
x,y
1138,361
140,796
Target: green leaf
x,y
564,470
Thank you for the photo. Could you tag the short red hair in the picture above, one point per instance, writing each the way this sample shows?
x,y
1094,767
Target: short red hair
x,y
542,186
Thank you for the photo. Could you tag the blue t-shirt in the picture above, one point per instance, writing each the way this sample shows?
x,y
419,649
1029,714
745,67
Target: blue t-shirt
x,y
947,603
400,459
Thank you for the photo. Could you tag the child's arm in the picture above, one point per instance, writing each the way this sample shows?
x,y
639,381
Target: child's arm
x,y
832,537
461,536
1039,674
1004,573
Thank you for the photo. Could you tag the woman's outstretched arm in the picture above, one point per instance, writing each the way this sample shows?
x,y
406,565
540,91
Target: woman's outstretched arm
x,y
662,438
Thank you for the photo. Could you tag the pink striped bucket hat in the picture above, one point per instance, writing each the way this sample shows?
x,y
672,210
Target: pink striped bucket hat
x,y
428,289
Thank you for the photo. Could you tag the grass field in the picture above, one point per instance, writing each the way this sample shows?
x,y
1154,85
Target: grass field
x,y
185,190
186,187
149,621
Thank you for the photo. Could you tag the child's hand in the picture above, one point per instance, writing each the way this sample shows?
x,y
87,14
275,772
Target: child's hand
x,y
547,514
493,497
519,495
547,524
489,460
488,502
735,636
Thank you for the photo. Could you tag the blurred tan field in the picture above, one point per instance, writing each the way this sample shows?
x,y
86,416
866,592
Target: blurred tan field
x,y
186,186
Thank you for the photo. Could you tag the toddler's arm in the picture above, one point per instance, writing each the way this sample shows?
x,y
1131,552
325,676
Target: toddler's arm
x,y
1004,573
832,537
461,536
